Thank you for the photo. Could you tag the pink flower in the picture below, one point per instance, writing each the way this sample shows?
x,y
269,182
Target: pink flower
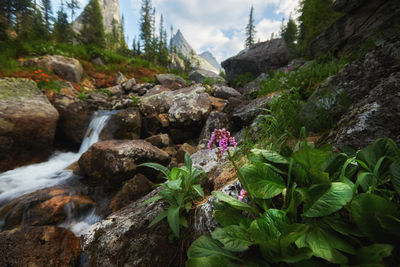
x,y
222,138
242,195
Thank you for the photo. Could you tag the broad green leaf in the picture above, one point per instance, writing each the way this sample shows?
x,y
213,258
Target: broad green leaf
x,y
157,167
188,161
374,254
389,223
271,156
151,200
234,203
205,246
173,219
326,199
311,158
270,226
395,175
211,261
228,216
342,226
364,209
262,181
158,218
175,184
198,189
174,174
234,238
365,180
380,148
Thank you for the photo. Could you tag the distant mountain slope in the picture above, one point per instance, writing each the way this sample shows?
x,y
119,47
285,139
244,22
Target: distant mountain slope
x,y
210,59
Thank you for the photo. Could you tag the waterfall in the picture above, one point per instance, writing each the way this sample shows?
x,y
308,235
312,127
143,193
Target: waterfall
x,y
27,179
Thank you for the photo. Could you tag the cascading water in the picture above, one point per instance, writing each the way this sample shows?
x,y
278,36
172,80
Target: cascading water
x,y
23,180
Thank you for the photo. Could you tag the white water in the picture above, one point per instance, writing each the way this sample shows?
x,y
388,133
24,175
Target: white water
x,y
23,180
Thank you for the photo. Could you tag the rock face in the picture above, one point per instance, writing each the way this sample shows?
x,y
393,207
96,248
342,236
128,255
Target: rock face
x,y
49,206
46,246
364,21
74,119
111,162
126,124
67,68
170,81
259,58
27,123
124,238
176,63
209,57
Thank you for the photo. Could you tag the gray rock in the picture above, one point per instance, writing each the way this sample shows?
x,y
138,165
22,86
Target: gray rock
x,y
160,140
259,58
126,124
176,63
170,81
116,90
365,21
97,61
200,75
129,85
216,120
120,78
67,68
124,238
253,85
225,92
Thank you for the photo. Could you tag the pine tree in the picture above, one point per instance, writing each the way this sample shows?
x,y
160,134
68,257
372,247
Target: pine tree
x,y
289,32
73,5
93,28
146,25
171,45
162,43
62,29
47,14
3,20
250,30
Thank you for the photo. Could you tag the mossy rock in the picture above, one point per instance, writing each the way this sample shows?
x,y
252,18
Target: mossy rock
x,y
11,88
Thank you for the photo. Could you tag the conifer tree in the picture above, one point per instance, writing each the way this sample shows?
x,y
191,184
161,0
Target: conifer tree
x,y
3,20
73,5
289,32
47,16
62,29
162,43
146,30
93,28
250,30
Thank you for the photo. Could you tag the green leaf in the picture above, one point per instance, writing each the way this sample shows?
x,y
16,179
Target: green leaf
x,y
198,189
174,174
311,158
157,167
326,199
270,155
365,180
151,200
380,148
158,218
374,254
364,209
175,184
395,175
262,181
389,223
234,203
188,161
173,219
234,238
211,261
205,246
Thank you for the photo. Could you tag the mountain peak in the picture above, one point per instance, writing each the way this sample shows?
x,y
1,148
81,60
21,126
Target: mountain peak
x,y
207,55
182,45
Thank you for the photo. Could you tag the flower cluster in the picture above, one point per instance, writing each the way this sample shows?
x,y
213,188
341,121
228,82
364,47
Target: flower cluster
x,y
223,139
242,195
40,76
288,69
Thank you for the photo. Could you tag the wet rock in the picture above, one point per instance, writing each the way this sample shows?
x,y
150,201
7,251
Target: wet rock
x,y
363,22
216,120
259,58
225,92
45,246
159,140
27,123
183,149
126,124
49,206
124,238
170,81
98,100
132,190
200,75
111,162
120,78
74,119
245,114
69,69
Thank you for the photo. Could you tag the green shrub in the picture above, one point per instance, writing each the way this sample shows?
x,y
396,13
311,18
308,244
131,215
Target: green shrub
x,y
243,79
105,90
181,190
310,206
135,101
82,96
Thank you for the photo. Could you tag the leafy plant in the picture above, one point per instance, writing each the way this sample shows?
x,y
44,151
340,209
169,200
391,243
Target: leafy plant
x,y
104,90
308,205
135,101
211,81
180,191
82,96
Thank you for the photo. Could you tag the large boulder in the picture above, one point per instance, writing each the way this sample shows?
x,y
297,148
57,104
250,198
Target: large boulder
x,y
49,206
225,92
126,124
364,21
170,81
111,162
67,68
259,58
45,246
200,75
124,238
27,123
74,119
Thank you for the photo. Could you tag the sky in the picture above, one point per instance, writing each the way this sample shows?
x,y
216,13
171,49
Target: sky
x,y
217,26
